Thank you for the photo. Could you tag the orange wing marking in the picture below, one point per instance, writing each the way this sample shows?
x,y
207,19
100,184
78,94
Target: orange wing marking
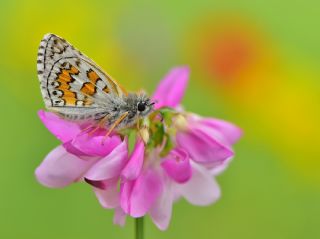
x,y
64,80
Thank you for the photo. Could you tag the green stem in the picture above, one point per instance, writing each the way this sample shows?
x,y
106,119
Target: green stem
x,y
139,227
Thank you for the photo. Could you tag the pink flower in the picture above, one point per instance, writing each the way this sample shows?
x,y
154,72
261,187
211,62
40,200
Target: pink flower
x,y
202,147
180,160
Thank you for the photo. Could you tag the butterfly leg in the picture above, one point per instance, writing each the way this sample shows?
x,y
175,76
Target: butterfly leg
x,y
100,124
115,124
86,128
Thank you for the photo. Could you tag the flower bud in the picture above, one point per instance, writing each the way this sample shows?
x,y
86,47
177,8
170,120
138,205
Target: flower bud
x,y
181,123
144,133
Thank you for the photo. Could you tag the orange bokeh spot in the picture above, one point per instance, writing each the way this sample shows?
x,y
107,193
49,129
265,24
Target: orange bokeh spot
x,y
229,47
227,54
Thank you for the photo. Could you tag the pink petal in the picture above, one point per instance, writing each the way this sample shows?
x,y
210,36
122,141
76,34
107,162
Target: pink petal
x,y
203,148
62,129
96,183
134,166
213,133
177,165
60,168
138,196
161,211
220,168
119,217
171,89
125,194
108,197
231,132
201,189
86,145
111,165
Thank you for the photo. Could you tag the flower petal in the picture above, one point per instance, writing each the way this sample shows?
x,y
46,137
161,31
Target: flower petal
x,y
86,145
96,183
119,217
161,211
62,129
203,148
111,165
171,89
230,131
125,194
60,168
134,166
220,168
138,196
108,197
177,165
201,189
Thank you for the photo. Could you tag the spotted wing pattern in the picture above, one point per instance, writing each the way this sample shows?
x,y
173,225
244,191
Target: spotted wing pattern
x,y
71,83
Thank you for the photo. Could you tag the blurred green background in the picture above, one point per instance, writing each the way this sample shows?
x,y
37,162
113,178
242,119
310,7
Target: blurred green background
x,y
255,63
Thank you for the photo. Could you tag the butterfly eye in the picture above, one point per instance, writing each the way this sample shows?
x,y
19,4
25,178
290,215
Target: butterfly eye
x,y
141,106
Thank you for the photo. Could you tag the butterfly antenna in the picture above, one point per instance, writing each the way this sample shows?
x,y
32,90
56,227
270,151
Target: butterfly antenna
x,y
152,103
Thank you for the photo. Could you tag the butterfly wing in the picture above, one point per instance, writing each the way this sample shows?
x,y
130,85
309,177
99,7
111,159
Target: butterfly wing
x,y
70,82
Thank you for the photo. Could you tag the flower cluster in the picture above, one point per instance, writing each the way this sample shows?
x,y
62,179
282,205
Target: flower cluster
x,y
176,155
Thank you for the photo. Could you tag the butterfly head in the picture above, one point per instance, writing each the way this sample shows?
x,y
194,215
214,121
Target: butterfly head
x,y
144,105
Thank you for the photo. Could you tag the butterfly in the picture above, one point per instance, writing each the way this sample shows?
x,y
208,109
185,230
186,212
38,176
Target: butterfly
x,y
77,89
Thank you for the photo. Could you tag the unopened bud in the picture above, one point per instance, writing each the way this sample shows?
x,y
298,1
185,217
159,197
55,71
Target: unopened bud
x,y
180,122
144,133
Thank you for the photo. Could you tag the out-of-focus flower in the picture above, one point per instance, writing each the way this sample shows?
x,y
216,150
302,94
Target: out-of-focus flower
x,y
176,156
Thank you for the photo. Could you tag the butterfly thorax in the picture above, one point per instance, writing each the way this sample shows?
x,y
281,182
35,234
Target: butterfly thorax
x,y
134,106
